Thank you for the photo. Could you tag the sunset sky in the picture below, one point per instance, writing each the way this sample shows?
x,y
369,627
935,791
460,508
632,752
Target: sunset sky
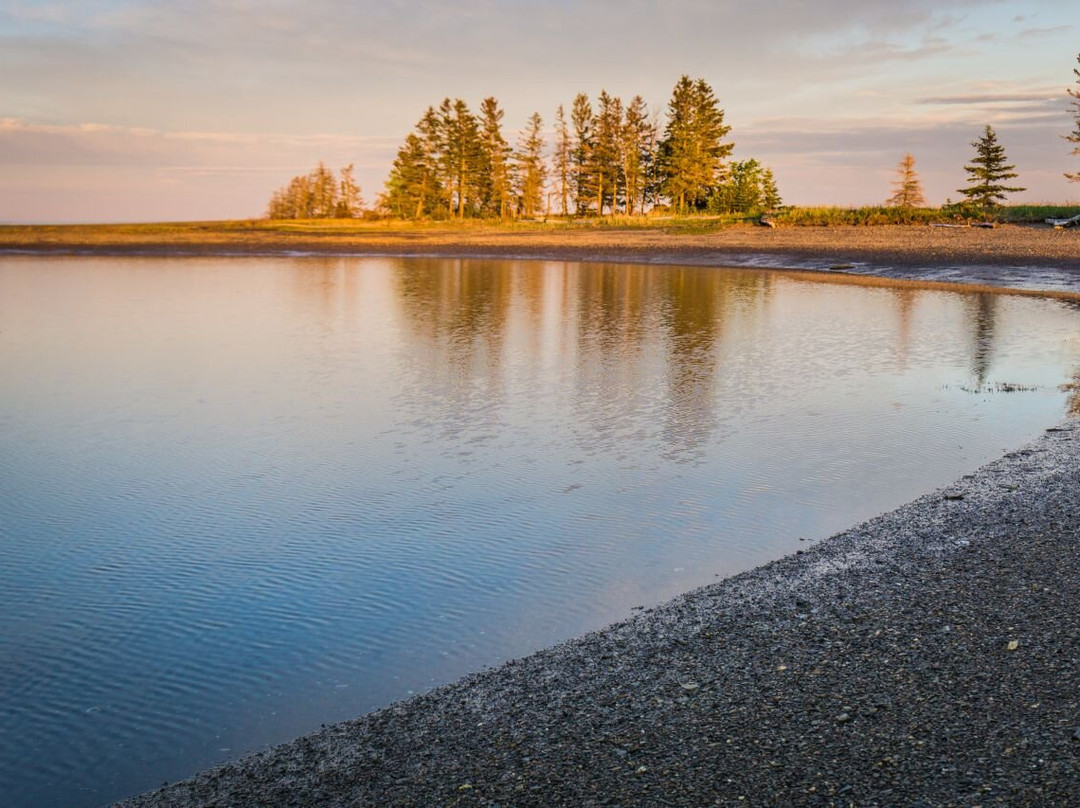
x,y
136,110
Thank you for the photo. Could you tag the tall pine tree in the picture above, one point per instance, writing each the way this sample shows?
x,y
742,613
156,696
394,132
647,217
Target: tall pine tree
x,y
493,172
693,150
636,140
581,119
563,160
532,170
460,156
987,171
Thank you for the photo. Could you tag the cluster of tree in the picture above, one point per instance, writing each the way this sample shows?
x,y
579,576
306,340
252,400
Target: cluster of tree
x,y
987,173
457,164
608,158
318,195
748,186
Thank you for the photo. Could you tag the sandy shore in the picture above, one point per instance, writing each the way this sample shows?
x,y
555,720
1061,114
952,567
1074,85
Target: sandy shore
x,y
930,656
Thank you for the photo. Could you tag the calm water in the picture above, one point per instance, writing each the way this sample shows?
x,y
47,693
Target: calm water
x,y
243,497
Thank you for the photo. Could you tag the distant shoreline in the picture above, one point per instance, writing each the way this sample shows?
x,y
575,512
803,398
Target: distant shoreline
x,y
901,245
1028,258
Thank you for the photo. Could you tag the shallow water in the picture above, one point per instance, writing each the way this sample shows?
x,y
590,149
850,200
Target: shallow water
x,y
243,497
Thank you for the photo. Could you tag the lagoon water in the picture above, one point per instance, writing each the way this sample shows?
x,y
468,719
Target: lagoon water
x,y
242,497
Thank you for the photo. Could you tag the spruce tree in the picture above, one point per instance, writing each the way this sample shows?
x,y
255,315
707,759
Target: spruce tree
x,y
749,186
1074,136
410,182
693,152
563,159
604,157
581,120
460,156
493,172
531,169
350,202
908,193
635,137
987,171
770,193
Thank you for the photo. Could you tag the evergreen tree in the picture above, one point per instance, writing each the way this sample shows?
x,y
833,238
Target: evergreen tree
x,y
563,159
414,188
323,193
531,168
771,194
493,173
692,152
405,195
635,156
749,186
317,195
581,119
603,164
460,155
987,171
1074,136
350,203
908,193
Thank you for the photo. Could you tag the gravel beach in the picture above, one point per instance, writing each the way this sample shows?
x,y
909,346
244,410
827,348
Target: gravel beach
x,y
930,656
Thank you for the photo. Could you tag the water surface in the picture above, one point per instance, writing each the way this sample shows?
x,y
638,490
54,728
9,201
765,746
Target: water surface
x,y
243,497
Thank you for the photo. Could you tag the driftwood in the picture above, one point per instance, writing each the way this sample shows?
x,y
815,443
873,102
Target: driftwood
x,y
988,225
1060,223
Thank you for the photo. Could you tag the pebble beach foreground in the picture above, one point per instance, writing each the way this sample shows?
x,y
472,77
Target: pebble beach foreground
x,y
930,656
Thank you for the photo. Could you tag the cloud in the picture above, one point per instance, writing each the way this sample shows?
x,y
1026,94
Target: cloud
x,y
1040,33
988,98
93,172
162,94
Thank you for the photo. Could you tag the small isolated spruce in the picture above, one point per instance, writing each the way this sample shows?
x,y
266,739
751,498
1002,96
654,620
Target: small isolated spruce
x,y
987,172
908,193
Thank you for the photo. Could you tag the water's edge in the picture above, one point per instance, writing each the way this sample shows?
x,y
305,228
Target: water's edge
x,y
706,671
495,736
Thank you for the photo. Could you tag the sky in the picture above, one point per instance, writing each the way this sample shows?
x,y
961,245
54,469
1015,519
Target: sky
x,y
158,110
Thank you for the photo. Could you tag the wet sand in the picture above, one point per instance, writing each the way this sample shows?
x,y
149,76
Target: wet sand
x,y
930,656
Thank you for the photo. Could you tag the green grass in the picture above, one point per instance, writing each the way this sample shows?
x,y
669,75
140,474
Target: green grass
x,y
1038,213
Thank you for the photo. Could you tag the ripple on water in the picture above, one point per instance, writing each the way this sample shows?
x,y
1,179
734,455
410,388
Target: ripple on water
x,y
213,542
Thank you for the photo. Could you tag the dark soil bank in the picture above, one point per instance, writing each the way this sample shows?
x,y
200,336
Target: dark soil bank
x,y
930,656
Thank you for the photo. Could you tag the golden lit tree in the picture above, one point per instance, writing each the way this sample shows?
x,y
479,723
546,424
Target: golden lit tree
x,y
531,169
908,193
693,151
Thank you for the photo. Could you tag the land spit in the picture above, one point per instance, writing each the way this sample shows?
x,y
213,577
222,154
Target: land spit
x,y
1034,257
930,656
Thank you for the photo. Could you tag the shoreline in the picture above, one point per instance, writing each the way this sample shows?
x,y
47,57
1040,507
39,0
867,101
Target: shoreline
x,y
1014,257
926,656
